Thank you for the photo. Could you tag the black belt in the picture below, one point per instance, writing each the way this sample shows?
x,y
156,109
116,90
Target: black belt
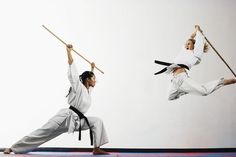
x,y
167,64
82,116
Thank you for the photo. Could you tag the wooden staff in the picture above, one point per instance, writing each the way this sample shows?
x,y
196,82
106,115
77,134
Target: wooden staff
x,y
72,48
218,54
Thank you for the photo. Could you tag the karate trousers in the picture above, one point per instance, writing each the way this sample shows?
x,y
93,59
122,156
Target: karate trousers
x,y
182,84
64,121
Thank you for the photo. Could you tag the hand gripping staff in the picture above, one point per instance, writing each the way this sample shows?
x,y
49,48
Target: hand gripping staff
x,y
72,49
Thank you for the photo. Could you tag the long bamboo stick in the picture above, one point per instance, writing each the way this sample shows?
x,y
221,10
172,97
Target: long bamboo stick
x,y
218,54
72,48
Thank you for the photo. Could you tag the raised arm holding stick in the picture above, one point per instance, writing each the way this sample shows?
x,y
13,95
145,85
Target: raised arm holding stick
x,y
191,55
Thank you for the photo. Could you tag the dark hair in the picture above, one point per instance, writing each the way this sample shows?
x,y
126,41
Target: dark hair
x,y
85,75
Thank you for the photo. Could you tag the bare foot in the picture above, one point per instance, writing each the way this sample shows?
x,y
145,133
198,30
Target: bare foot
x,y
7,151
229,81
98,151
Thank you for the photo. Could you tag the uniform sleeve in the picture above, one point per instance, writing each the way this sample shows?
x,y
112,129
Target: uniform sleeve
x,y
73,75
199,45
177,59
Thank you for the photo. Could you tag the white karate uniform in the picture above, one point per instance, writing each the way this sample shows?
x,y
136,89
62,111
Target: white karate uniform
x,y
182,84
66,120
